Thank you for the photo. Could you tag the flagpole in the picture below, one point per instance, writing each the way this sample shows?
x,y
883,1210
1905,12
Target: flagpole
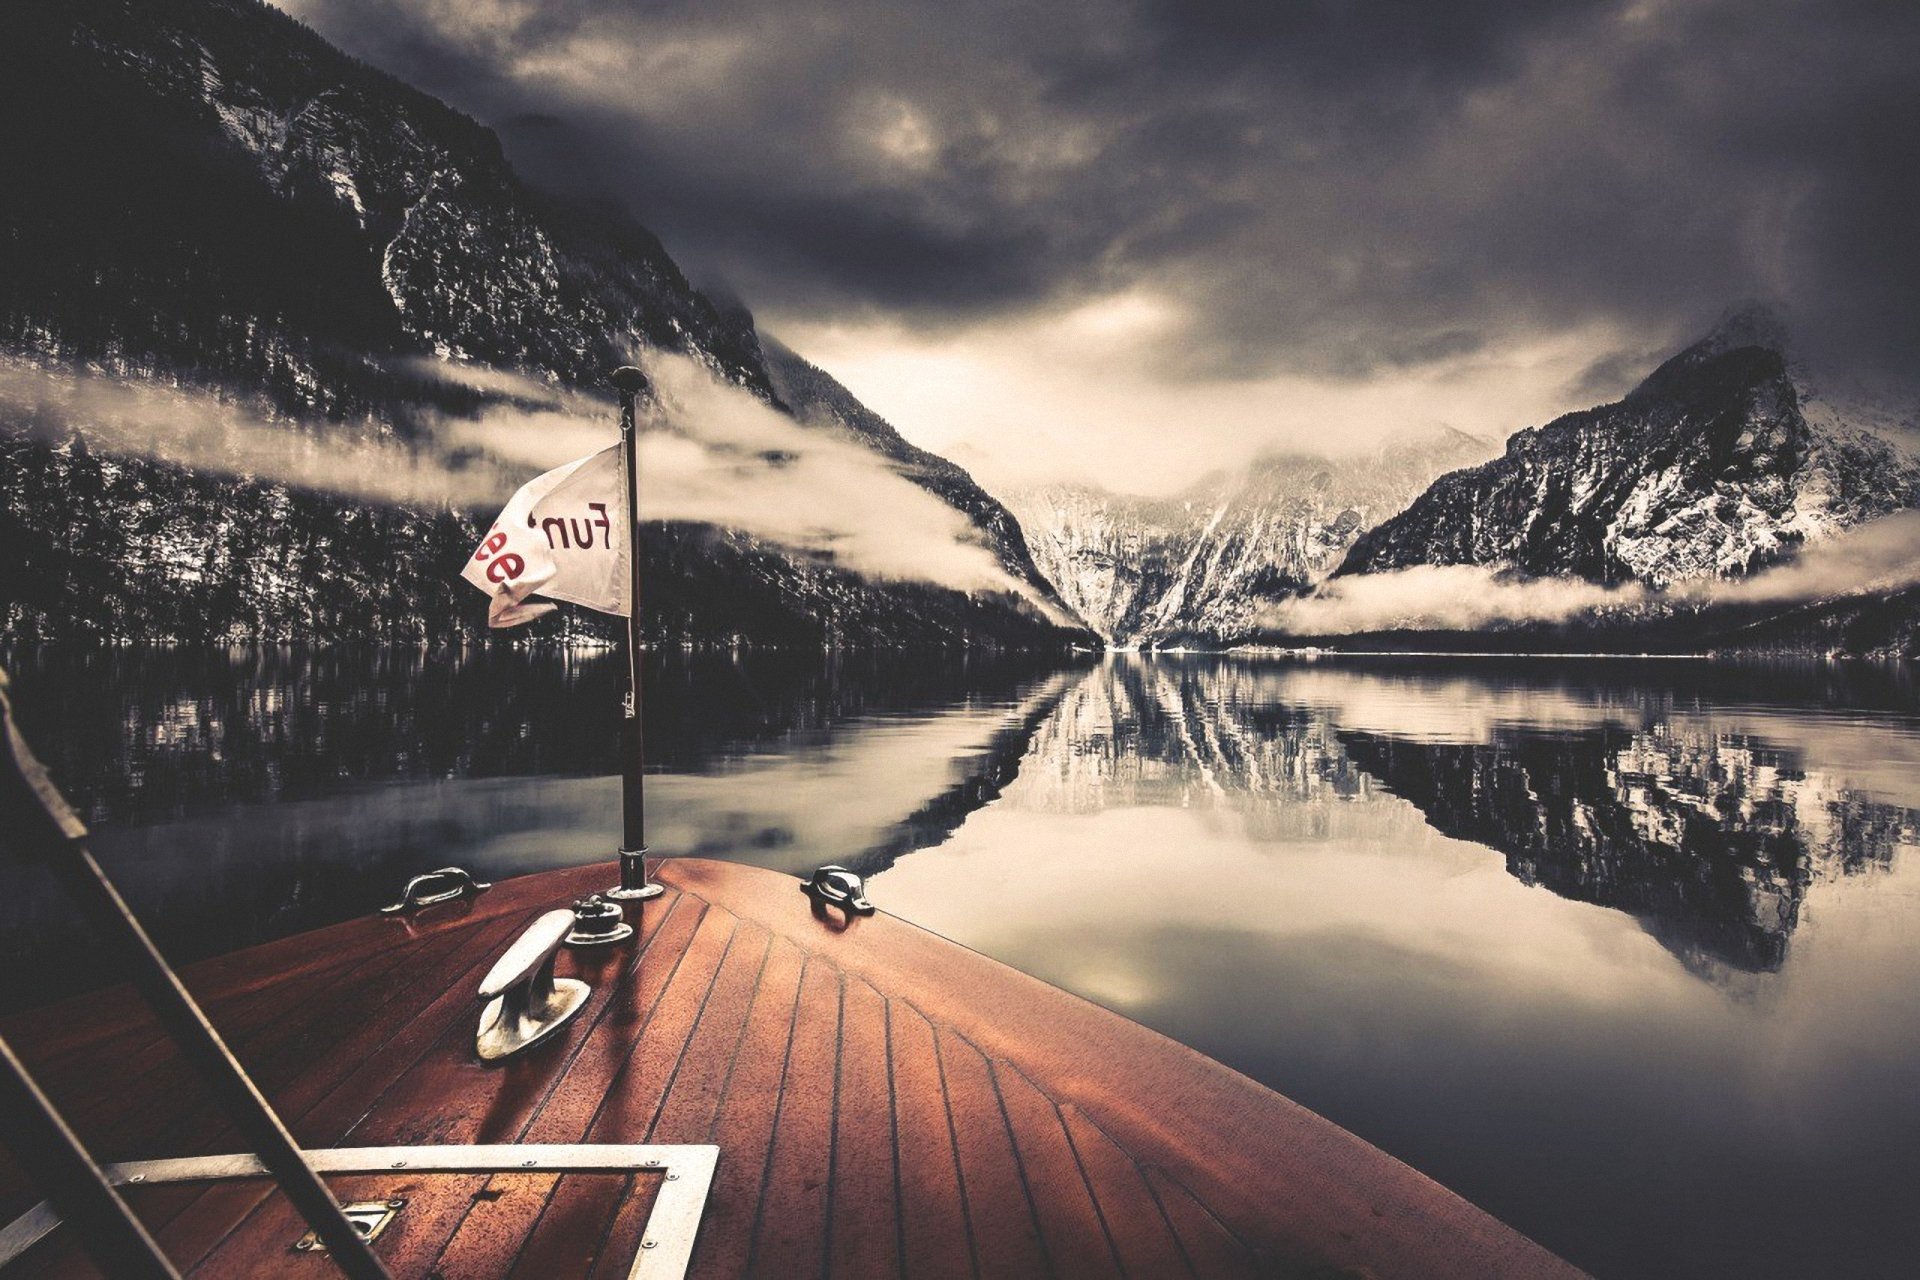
x,y
631,383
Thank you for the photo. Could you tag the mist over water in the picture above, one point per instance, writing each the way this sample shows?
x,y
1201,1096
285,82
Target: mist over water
x,y
1620,950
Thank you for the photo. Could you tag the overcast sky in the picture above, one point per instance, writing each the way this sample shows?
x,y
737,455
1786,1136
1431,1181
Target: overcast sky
x,y
1128,241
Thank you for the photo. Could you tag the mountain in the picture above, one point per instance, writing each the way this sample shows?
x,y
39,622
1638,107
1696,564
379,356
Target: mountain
x,y
204,194
1879,624
1200,566
819,400
1718,464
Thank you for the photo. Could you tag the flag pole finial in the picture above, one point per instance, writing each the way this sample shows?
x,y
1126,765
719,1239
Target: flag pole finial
x,y
632,383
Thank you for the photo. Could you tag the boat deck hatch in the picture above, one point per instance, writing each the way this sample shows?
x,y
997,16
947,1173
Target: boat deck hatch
x,y
405,1199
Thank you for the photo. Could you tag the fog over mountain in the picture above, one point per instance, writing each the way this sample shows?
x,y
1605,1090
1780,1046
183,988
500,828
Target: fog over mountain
x,y
279,333
1203,565
1221,305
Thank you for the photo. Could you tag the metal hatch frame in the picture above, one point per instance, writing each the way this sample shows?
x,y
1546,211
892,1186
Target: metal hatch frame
x,y
666,1246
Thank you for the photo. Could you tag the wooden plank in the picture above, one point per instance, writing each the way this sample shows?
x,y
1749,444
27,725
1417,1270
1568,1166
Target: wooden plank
x,y
449,1095
692,1100
581,1096
262,1244
136,1038
1076,1239
629,1230
865,1229
632,1097
436,1204
320,1105
934,1241
567,1239
1141,1234
293,1031
743,1126
1006,1236
790,1238
496,1224
1212,1250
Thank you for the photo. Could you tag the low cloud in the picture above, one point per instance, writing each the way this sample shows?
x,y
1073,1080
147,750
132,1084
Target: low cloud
x,y
715,454
229,435
1882,555
711,453
1442,598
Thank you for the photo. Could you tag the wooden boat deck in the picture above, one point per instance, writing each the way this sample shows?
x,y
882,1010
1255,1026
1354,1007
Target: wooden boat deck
x,y
886,1103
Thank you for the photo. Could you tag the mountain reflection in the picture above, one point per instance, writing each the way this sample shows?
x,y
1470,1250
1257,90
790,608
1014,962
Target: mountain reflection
x,y
241,795
1709,837
1710,841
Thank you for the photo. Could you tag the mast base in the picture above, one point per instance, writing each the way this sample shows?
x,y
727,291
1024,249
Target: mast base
x,y
634,883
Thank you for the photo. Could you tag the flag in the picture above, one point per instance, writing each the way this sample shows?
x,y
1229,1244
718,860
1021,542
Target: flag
x,y
563,536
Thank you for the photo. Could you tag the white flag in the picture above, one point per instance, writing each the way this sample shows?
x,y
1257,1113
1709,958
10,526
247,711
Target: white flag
x,y
562,536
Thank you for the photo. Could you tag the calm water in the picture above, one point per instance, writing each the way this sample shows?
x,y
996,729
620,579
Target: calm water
x,y
1628,953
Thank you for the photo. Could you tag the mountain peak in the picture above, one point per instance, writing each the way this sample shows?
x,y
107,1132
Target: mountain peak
x,y
1750,323
1752,327
1708,468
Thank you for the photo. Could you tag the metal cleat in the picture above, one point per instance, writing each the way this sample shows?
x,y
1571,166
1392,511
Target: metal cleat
x,y
838,887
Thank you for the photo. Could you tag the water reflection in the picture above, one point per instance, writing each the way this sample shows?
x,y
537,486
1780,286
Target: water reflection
x,y
1524,925
1701,828
1619,950
246,795
1709,839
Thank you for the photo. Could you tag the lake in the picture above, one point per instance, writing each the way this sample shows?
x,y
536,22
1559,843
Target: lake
x,y
1627,952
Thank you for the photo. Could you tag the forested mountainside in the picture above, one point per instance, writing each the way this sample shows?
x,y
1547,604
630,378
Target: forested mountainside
x,y
818,399
204,193
1200,566
1709,468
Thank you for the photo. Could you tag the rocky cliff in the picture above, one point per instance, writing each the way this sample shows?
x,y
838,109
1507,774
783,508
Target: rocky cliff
x,y
1712,467
1201,566
203,193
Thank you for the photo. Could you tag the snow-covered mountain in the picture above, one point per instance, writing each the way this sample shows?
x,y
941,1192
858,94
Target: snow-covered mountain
x,y
205,195
1203,564
1723,461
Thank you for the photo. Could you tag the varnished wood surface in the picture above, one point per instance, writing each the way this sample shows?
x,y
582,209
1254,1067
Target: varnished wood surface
x,y
886,1103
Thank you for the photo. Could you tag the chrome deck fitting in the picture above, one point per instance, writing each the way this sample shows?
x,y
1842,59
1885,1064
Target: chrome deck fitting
x,y
838,887
634,884
597,923
525,1002
443,885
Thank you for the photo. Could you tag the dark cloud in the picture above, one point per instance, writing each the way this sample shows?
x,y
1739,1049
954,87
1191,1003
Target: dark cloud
x,y
1326,186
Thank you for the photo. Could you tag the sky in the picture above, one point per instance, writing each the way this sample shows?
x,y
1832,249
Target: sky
x,y
1129,241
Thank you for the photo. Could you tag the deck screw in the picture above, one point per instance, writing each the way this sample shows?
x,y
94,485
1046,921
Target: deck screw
x,y
399,1164
648,1244
396,1203
302,1245
528,1164
673,1177
138,1177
